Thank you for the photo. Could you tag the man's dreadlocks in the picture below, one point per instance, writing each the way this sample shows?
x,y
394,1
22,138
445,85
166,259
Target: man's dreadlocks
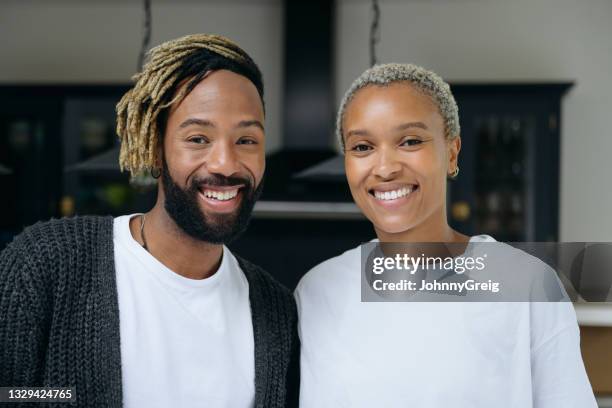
x,y
173,70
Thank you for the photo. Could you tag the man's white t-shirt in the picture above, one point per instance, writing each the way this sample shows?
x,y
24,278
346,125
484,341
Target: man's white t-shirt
x,y
433,354
184,342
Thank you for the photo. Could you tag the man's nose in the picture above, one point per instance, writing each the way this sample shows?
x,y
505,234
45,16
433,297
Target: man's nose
x,y
222,159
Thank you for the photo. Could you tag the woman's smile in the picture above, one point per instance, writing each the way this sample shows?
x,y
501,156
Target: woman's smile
x,y
391,196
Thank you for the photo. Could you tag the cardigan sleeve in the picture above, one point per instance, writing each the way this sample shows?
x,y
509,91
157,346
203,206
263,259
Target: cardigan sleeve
x,y
22,345
274,316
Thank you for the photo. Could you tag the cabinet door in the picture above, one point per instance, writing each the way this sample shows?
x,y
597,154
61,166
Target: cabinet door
x,y
30,146
508,184
89,132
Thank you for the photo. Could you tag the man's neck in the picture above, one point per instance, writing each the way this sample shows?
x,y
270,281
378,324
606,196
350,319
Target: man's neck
x,y
184,255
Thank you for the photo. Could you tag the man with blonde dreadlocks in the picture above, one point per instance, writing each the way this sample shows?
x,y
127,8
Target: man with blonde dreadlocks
x,y
153,310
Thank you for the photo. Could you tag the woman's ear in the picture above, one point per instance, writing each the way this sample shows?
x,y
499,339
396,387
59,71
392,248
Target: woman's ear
x,y
454,146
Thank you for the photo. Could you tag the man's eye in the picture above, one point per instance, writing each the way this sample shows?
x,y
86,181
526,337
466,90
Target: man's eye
x,y
198,139
411,142
361,148
246,141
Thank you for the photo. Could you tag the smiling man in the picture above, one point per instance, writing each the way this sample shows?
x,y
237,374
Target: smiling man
x,y
153,310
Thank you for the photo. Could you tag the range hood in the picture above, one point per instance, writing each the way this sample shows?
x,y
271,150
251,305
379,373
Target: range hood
x,y
308,167
107,161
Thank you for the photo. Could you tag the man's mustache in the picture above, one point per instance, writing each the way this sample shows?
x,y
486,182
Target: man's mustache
x,y
221,181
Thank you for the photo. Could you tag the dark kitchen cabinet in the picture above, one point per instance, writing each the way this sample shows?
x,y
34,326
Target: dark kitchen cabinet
x,y
44,130
508,186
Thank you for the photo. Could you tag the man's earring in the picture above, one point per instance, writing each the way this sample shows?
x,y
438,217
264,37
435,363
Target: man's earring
x,y
155,172
454,174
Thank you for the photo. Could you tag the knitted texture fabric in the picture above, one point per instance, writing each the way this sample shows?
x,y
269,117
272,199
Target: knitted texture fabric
x,y
59,317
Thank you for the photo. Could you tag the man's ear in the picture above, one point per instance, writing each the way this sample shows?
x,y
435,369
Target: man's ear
x,y
162,123
158,157
159,150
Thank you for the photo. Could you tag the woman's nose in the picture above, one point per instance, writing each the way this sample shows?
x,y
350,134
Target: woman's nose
x,y
387,166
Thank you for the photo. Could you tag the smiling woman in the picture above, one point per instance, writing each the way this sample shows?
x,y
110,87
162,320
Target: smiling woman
x,y
399,129
397,159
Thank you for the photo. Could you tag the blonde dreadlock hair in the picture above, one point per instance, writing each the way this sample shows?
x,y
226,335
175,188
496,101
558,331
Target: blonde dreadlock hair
x,y
182,64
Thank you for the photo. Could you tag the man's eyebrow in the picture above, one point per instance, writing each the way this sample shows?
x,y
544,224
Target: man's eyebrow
x,y
249,123
208,123
409,125
195,121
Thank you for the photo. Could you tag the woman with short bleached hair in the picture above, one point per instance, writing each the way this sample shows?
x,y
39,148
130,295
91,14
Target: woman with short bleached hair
x,y
398,126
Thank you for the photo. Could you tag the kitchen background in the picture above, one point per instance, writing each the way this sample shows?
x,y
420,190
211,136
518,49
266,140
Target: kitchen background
x,y
532,79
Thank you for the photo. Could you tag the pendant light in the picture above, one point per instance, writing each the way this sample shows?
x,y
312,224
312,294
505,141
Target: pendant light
x,y
109,160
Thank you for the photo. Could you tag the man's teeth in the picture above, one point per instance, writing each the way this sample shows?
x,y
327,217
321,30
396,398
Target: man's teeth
x,y
392,195
221,195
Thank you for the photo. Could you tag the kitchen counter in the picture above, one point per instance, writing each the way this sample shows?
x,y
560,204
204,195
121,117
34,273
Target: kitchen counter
x,y
594,314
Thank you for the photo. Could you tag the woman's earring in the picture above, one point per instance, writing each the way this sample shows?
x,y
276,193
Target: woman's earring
x,y
155,172
454,174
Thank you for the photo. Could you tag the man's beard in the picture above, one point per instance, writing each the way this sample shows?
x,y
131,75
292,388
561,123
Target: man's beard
x,y
182,206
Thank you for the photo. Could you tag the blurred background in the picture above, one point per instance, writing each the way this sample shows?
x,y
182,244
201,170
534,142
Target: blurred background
x,y
531,77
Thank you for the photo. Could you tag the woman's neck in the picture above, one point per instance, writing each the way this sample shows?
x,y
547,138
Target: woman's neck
x,y
433,229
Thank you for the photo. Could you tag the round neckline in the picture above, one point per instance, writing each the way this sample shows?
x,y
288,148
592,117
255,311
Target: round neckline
x,y
160,269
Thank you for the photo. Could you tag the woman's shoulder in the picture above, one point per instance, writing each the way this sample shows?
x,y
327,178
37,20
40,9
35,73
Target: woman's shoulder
x,y
482,238
339,270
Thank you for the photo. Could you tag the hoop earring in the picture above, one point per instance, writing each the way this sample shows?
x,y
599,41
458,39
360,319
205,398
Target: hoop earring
x,y
454,174
155,172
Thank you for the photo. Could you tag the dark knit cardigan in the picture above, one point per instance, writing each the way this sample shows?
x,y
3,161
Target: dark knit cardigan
x,y
59,317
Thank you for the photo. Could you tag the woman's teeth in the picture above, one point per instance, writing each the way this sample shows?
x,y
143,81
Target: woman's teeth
x,y
221,195
394,194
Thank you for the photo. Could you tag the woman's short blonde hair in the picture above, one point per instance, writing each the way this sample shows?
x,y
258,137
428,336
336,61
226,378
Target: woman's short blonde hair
x,y
423,80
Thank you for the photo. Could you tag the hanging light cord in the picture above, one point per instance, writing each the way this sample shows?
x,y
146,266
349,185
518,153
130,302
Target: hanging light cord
x,y
146,39
374,32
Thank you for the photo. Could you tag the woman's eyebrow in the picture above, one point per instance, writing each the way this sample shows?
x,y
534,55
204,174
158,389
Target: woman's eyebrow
x,y
409,125
357,132
403,126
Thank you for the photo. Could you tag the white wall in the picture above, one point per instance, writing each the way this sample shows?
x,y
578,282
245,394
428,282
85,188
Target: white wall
x,y
511,40
463,40
98,41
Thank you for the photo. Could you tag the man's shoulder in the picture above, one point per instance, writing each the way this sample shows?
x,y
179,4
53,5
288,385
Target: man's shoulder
x,y
260,279
53,247
52,254
62,233
270,300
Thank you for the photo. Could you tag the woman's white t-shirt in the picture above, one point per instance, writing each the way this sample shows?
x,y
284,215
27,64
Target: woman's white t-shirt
x,y
433,354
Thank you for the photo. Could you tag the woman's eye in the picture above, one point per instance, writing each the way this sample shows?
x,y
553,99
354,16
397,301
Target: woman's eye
x,y
412,142
361,148
198,139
